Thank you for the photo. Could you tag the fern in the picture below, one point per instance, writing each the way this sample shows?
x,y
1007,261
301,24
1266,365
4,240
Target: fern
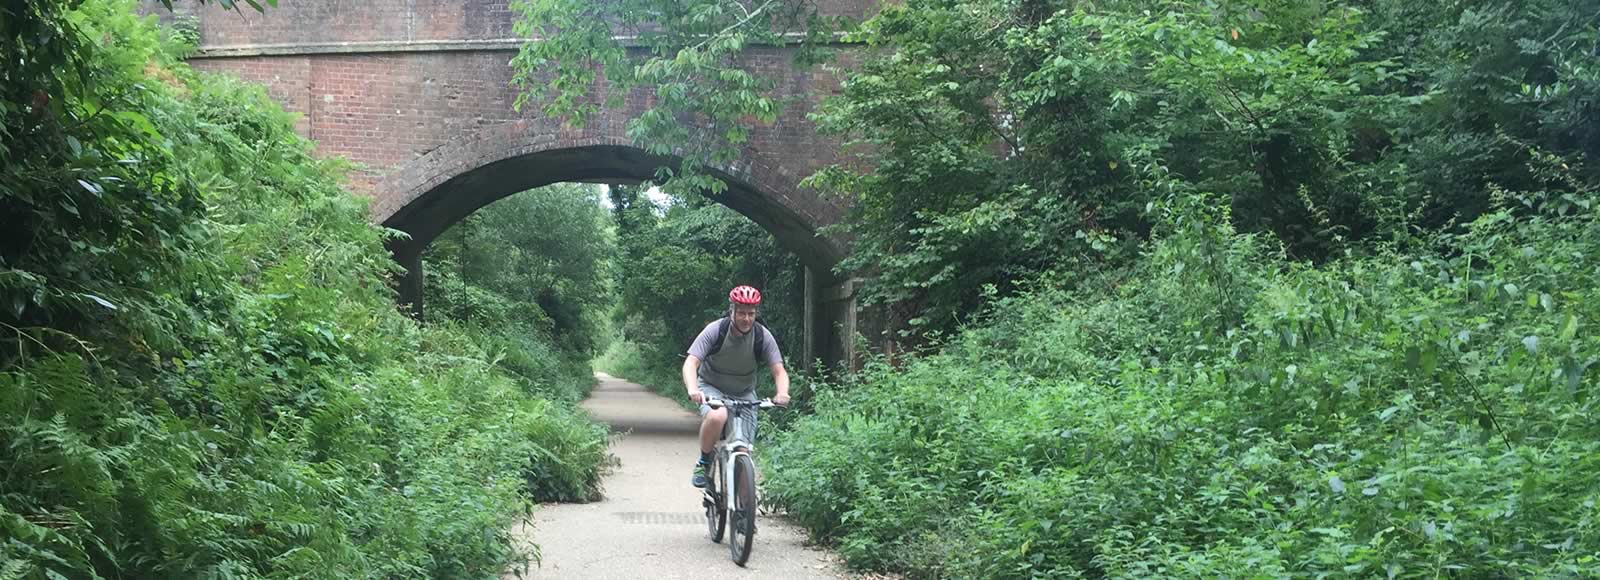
x,y
14,569
250,404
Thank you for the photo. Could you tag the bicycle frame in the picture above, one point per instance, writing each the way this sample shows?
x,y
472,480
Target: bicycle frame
x,y
728,457
722,503
729,449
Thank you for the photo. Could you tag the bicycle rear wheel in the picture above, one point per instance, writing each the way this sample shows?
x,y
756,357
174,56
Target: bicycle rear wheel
x,y
716,516
742,514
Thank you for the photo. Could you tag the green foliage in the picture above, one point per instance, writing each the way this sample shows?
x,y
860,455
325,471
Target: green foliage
x,y
1400,415
204,374
545,251
674,269
1005,140
1011,139
528,275
688,55
1269,288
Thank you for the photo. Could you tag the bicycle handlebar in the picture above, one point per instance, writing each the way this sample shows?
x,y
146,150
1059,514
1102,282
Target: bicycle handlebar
x,y
764,403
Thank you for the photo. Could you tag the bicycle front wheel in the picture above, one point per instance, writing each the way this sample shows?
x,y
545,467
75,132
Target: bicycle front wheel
x,y
742,514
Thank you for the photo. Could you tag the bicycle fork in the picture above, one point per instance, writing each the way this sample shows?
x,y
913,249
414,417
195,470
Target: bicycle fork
x,y
729,494
724,481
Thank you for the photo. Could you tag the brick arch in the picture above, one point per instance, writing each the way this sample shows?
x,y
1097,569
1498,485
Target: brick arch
x,y
429,194
419,96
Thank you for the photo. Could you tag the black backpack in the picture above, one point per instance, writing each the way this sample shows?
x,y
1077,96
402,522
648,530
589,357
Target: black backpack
x,y
759,333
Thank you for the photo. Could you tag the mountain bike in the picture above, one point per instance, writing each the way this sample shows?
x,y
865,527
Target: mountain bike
x,y
730,493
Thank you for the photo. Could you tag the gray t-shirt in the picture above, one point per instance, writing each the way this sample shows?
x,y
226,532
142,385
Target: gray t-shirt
x,y
732,369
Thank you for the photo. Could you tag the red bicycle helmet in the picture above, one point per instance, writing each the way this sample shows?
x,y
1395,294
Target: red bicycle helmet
x,y
745,295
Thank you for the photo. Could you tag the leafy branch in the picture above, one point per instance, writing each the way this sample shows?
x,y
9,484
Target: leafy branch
x,y
702,98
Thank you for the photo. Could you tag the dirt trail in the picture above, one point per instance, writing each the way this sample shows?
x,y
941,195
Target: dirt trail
x,y
651,524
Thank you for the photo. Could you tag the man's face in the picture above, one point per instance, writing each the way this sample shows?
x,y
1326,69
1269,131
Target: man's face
x,y
744,318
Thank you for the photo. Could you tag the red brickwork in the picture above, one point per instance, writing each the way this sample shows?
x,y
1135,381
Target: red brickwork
x,y
417,93
415,107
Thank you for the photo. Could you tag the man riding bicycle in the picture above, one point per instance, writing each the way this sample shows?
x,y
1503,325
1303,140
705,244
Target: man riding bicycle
x,y
722,364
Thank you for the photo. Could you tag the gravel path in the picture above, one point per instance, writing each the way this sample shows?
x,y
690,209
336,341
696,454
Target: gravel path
x,y
651,524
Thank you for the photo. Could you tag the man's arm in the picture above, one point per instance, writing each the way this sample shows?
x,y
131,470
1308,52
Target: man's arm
x,y
691,379
780,377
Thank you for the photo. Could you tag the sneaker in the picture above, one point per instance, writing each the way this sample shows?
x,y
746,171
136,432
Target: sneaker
x,y
699,479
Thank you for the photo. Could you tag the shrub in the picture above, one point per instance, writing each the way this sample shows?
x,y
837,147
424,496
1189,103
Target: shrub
x,y
1216,412
203,372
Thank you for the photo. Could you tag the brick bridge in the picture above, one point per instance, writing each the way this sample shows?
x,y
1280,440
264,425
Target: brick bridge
x,y
417,92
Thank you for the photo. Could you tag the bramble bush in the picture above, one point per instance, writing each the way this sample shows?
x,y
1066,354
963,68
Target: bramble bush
x,y
203,374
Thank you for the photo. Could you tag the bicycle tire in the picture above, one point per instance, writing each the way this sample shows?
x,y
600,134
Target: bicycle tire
x,y
716,516
742,514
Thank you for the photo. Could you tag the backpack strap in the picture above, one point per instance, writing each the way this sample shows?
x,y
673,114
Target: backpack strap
x,y
760,333
722,336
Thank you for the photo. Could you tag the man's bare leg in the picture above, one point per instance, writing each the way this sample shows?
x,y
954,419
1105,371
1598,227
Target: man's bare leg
x,y
711,428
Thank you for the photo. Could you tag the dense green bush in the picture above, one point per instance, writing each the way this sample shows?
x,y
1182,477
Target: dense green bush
x,y
1217,411
526,277
674,268
537,262
203,372
1012,139
1363,354
988,142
